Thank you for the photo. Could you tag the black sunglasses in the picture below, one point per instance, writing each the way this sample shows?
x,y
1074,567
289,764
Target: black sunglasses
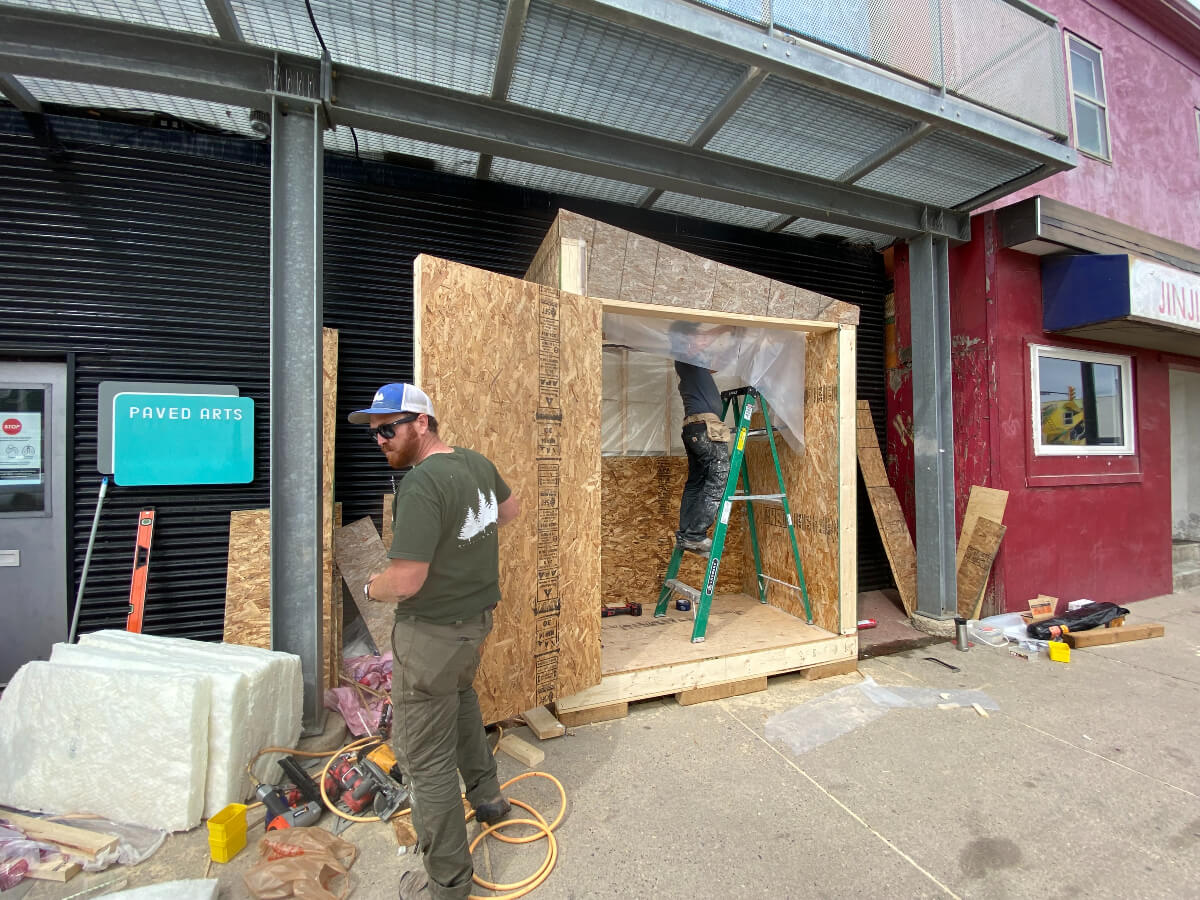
x,y
388,429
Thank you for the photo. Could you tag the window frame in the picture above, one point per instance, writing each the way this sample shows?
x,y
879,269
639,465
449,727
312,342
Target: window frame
x,y
1128,413
1102,102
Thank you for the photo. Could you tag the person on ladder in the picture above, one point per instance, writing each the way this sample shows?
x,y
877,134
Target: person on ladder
x,y
705,436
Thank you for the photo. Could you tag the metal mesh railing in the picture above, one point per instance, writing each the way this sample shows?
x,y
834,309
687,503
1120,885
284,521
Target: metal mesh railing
x,y
998,53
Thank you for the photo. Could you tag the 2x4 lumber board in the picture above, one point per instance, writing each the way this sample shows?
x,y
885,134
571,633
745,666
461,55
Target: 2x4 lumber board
x,y
847,485
331,607
386,520
522,751
593,714
715,317
542,723
1119,635
976,565
670,679
60,870
828,670
721,691
360,554
983,503
78,841
514,369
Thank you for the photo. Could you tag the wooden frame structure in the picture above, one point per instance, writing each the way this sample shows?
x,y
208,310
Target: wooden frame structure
x,y
514,370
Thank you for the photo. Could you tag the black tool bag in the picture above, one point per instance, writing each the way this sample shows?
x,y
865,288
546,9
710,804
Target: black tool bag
x,y
1091,616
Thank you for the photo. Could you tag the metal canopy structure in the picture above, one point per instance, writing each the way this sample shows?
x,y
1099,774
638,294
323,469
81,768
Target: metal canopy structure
x,y
864,119
869,120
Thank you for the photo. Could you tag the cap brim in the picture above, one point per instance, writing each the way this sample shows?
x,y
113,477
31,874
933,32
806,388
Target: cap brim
x,y
363,416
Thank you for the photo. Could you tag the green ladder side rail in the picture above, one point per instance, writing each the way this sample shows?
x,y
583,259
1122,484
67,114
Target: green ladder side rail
x,y
744,402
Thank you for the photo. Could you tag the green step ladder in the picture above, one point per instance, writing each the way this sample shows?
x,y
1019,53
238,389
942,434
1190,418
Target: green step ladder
x,y
745,401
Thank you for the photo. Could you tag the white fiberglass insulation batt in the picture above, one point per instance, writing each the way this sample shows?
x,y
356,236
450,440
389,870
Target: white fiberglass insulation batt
x,y
228,750
129,746
276,686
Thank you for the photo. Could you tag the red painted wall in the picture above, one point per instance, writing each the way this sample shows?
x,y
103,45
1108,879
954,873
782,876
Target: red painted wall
x,y
1095,527
1153,91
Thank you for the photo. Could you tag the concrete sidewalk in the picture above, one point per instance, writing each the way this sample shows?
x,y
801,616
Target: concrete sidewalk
x,y
1086,782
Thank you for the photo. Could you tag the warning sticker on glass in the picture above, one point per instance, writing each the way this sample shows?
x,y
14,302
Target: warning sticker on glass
x,y
21,447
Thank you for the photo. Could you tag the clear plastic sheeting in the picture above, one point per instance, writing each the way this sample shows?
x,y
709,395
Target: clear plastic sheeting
x,y
809,725
640,405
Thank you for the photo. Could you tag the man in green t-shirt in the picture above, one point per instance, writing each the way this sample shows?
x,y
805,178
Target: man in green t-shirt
x,y
444,578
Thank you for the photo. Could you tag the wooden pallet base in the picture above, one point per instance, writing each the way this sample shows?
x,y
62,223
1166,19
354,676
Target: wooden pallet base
x,y
645,657
828,670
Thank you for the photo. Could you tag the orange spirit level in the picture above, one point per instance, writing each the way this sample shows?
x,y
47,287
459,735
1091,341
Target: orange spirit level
x,y
141,570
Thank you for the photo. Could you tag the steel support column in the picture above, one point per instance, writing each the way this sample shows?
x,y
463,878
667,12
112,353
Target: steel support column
x,y
933,428
297,158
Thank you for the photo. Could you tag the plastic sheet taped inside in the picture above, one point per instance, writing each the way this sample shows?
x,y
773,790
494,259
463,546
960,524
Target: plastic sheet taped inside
x,y
809,725
769,359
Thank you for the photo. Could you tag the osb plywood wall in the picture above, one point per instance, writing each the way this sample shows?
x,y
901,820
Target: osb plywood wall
x,y
619,265
248,580
811,480
639,516
514,372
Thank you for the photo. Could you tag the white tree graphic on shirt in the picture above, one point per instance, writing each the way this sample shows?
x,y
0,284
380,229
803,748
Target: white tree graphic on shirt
x,y
477,520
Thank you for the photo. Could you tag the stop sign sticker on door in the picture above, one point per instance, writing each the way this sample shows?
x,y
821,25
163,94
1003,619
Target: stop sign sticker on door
x,y
11,426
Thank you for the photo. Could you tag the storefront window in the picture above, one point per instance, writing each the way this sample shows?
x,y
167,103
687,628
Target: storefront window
x,y
1082,402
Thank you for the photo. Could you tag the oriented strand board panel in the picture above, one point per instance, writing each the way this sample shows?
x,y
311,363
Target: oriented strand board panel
x,y
360,554
248,581
494,354
893,529
984,503
639,517
621,265
386,535
976,564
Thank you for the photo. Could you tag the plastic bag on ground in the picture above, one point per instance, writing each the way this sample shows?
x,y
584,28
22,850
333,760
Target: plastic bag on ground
x,y
135,844
809,725
309,863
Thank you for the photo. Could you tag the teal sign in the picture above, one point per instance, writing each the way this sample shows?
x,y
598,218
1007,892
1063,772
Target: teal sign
x,y
182,439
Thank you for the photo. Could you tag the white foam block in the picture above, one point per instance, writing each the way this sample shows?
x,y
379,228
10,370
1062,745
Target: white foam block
x,y
228,751
127,745
276,686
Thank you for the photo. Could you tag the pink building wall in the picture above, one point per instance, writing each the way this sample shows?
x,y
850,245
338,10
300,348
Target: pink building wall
x,y
1153,90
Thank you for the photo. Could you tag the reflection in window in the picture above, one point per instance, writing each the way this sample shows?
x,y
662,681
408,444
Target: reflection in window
x,y
1083,401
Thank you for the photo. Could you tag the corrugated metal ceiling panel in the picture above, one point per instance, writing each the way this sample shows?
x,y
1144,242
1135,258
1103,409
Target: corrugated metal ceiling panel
x,y
182,15
558,181
793,127
589,69
715,210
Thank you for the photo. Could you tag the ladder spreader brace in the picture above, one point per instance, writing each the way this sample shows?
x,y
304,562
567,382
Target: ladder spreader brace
x,y
745,401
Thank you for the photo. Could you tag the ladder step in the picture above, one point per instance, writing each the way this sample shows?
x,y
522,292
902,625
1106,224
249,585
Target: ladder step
x,y
756,432
774,498
688,591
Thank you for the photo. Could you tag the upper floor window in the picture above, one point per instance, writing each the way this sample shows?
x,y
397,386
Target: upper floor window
x,y
1198,126
1087,94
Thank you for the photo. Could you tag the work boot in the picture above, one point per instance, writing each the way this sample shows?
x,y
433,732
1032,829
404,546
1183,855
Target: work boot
x,y
704,545
491,813
414,885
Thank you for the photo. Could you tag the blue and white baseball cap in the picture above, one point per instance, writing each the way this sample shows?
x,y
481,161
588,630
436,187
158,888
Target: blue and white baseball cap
x,y
394,398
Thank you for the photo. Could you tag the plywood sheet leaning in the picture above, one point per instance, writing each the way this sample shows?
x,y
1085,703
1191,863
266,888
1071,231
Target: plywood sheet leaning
x,y
386,520
360,554
639,515
893,529
489,352
248,579
976,564
811,480
984,503
621,265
